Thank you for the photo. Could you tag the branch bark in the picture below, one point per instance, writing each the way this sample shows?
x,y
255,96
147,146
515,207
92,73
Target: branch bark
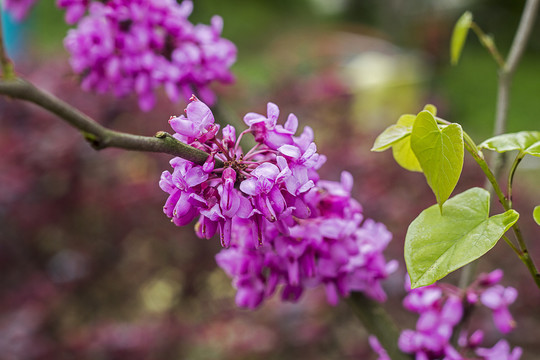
x,y
506,73
97,135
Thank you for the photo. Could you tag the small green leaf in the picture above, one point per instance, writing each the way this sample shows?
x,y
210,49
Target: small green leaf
x,y
407,120
461,29
526,141
536,214
437,244
439,152
394,133
431,108
402,151
404,155
390,136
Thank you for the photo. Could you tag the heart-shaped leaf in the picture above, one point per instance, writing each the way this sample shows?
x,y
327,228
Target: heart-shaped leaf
x,y
439,152
536,214
525,141
437,244
459,35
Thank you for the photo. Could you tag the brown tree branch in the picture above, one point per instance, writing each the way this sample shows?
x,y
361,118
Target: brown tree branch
x,y
97,135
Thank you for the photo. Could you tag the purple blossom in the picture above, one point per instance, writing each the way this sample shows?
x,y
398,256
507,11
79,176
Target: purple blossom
x,y
19,9
266,131
122,46
498,298
500,351
198,122
75,9
441,308
431,339
279,224
377,347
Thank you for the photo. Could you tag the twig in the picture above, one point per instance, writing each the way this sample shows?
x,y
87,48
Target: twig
x,y
97,135
506,74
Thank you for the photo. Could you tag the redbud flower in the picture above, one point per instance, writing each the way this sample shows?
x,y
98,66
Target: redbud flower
x,y
497,298
441,308
122,46
500,351
279,224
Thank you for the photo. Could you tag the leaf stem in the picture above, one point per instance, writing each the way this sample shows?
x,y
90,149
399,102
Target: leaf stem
x,y
515,164
489,44
511,244
525,257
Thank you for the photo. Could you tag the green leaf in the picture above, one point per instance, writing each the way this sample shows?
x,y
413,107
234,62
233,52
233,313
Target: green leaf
x,y
526,141
461,29
402,151
437,244
536,214
404,155
439,152
394,133
390,136
431,108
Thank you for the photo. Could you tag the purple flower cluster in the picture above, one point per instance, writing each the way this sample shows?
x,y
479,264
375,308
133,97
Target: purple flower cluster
x,y
75,9
122,46
442,307
280,224
18,8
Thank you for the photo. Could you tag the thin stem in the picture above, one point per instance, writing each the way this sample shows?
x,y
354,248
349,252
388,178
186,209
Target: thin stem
x,y
97,135
511,244
490,177
488,43
503,97
377,322
515,164
6,64
526,23
525,257
506,74
237,145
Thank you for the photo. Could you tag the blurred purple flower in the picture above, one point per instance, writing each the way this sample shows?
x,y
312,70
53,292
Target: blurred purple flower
x,y
441,308
377,347
500,351
122,46
498,298
19,9
75,9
